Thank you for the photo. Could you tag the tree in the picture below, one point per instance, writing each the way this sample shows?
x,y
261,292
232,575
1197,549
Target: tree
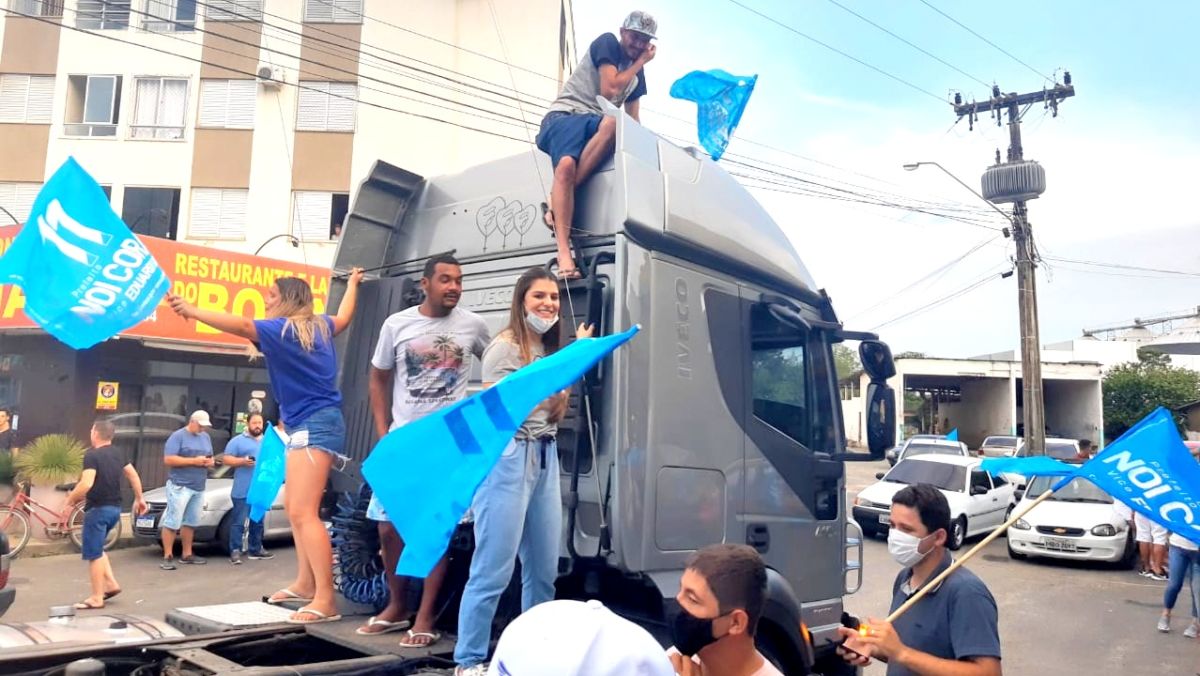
x,y
846,362
1133,390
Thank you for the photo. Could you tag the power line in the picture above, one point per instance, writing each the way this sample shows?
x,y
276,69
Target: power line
x,y
1121,266
919,49
998,47
297,85
831,48
990,277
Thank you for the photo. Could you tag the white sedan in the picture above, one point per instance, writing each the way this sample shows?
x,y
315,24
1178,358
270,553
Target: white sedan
x,y
1077,522
978,501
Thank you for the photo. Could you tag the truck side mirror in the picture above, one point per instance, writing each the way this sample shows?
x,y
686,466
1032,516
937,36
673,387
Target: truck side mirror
x,y
881,417
876,358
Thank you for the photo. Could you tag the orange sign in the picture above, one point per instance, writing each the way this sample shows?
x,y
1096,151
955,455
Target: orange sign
x,y
210,278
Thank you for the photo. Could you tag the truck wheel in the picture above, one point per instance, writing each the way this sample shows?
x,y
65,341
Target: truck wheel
x,y
958,533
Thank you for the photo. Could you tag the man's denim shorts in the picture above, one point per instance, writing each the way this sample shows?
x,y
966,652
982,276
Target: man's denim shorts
x,y
97,522
183,507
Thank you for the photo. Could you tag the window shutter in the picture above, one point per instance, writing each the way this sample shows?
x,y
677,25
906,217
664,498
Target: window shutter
x,y
347,11
318,10
18,198
233,214
14,95
313,112
310,216
234,10
41,99
214,102
206,214
342,101
243,98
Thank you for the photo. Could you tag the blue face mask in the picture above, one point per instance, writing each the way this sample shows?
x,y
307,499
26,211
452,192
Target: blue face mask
x,y
538,324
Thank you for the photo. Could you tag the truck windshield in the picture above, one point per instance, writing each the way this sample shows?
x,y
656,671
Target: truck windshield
x,y
942,475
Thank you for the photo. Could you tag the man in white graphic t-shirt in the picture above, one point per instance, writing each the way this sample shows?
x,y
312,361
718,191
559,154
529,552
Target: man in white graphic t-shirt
x,y
422,363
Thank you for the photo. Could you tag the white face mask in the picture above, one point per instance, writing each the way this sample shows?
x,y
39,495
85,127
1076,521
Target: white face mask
x,y
905,548
540,325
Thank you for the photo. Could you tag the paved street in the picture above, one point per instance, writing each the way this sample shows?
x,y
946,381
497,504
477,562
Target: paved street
x,y
1081,619
1085,618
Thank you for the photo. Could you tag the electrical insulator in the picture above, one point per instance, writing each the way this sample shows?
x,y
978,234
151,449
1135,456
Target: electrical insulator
x,y
957,99
995,91
1067,78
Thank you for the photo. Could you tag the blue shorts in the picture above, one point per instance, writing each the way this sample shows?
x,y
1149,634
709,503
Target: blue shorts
x,y
565,134
97,522
324,430
183,507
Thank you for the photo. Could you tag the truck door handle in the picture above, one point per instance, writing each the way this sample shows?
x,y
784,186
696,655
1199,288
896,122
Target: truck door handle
x,y
758,537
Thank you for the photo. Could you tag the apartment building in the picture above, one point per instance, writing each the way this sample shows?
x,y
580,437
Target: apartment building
x,y
246,124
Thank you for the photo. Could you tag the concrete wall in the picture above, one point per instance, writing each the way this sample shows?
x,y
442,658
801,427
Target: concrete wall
x,y
1075,409
986,409
853,418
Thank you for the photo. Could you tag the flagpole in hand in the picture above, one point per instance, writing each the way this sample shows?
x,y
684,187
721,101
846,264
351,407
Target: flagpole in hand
x,y
933,583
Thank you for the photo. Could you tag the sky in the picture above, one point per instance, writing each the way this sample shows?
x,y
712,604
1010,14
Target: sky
x,y
1120,158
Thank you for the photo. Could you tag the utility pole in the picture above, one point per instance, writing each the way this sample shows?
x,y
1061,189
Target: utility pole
x,y
1017,181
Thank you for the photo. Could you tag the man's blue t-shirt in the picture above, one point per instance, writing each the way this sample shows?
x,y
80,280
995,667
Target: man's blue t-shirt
x,y
303,382
185,444
955,621
242,446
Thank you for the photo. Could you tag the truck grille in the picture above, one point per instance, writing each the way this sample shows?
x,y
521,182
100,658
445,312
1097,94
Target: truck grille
x,y
1060,531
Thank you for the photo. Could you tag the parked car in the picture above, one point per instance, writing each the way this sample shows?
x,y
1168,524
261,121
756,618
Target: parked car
x,y
931,446
1076,522
7,593
893,454
1066,450
978,501
154,428
214,517
1000,446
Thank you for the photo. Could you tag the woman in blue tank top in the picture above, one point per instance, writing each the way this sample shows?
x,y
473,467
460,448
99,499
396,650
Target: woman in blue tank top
x,y
298,346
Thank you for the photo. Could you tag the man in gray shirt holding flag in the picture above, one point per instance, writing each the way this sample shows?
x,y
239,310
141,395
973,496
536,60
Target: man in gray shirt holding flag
x,y
576,134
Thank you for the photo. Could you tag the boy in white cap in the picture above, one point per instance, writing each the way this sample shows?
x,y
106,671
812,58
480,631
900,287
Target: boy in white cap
x,y
574,638
575,132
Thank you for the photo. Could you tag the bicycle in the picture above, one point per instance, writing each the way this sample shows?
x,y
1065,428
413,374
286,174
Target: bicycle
x,y
15,515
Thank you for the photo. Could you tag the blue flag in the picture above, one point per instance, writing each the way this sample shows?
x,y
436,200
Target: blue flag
x,y
720,100
426,473
86,277
1033,465
1149,469
953,436
269,469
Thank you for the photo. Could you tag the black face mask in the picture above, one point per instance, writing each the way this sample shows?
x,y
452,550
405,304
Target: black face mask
x,y
692,634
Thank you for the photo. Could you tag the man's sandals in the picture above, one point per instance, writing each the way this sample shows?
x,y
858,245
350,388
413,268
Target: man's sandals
x,y
548,219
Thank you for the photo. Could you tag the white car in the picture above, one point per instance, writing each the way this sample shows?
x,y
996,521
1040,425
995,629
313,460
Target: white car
x,y
1000,446
1077,522
1060,449
927,445
978,501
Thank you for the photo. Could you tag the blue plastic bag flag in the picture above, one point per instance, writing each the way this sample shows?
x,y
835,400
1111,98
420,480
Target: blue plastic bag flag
x,y
953,436
268,475
1149,469
86,277
426,473
720,100
1034,465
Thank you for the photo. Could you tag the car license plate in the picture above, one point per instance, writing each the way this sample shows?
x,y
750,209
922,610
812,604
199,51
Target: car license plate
x,y
1058,544
144,522
885,519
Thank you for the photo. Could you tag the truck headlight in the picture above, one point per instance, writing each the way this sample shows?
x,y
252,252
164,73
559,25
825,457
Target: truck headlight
x,y
1021,524
1104,530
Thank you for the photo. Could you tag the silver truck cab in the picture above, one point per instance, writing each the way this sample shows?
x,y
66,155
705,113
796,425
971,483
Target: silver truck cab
x,y
720,422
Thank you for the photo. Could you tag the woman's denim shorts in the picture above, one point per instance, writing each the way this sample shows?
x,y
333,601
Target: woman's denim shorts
x,y
324,430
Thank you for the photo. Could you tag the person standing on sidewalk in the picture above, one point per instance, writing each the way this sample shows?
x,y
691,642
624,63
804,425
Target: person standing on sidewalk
x,y
241,454
188,456
100,485
297,343
422,363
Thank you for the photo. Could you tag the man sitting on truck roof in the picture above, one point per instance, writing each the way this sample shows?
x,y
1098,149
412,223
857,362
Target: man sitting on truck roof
x,y
575,132
721,598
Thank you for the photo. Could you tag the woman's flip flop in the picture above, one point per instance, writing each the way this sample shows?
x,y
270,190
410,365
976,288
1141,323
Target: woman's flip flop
x,y
289,596
321,617
376,626
410,641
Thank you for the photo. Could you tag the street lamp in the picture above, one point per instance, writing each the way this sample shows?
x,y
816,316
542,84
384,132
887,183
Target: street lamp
x,y
917,165
291,238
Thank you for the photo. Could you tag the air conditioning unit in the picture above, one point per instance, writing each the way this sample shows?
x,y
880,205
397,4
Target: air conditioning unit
x,y
270,76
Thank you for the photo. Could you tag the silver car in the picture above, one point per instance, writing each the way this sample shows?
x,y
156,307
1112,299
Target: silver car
x,y
1001,446
214,516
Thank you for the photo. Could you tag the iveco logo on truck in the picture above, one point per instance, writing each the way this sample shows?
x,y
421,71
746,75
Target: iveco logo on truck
x,y
683,351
